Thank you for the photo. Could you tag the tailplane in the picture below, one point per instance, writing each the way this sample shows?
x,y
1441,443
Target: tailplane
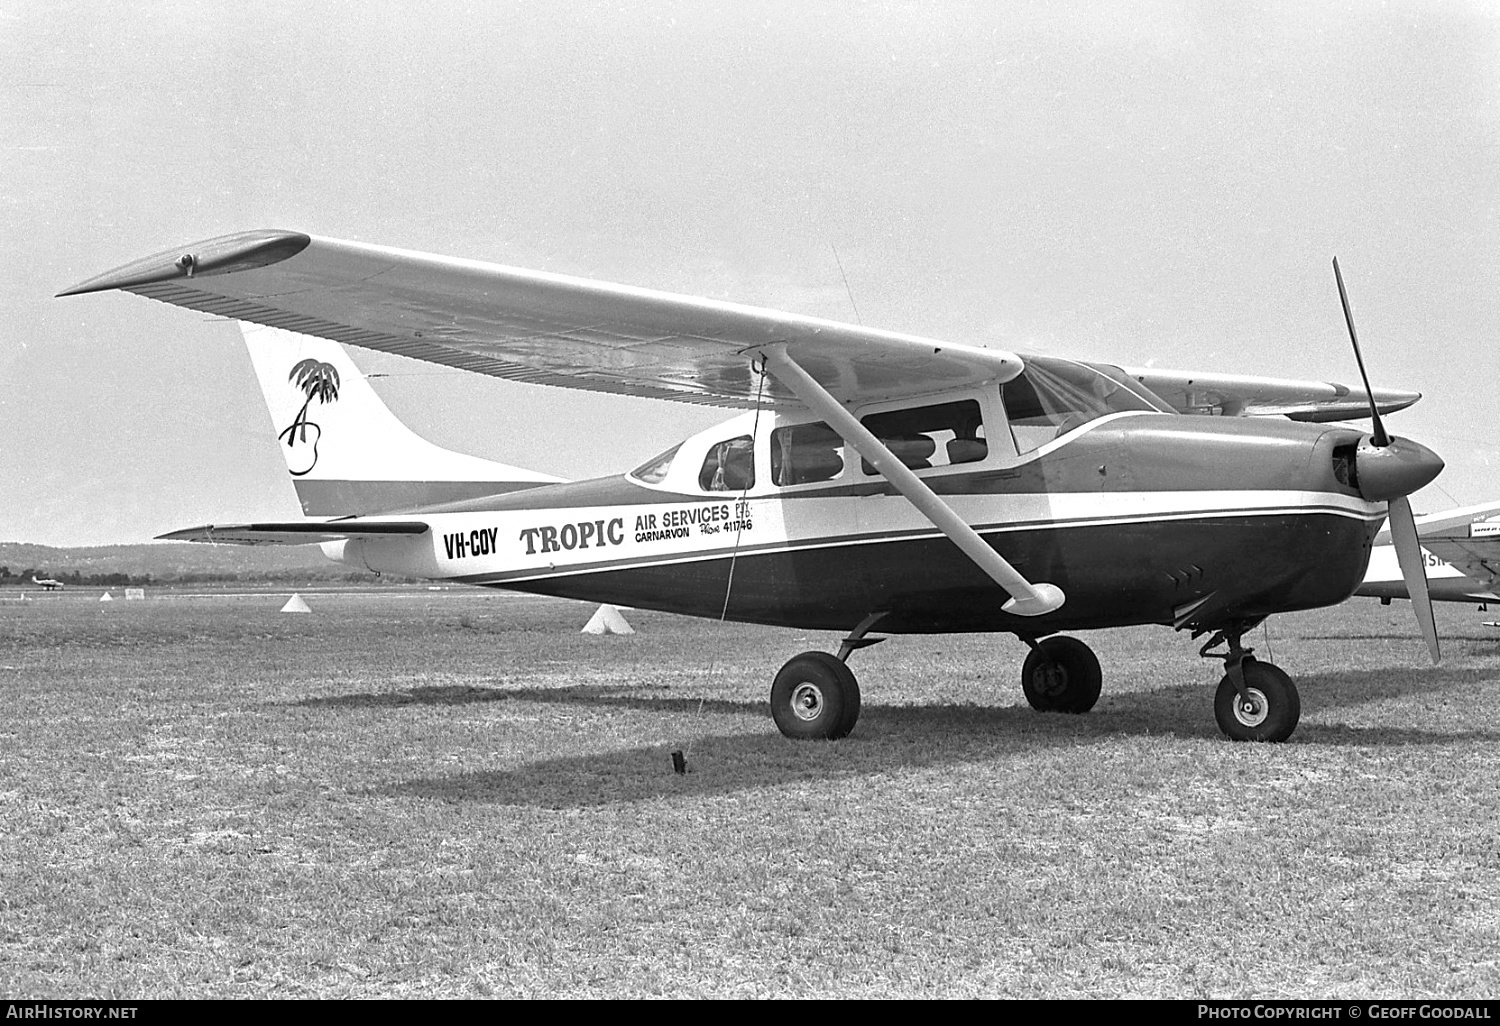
x,y
346,451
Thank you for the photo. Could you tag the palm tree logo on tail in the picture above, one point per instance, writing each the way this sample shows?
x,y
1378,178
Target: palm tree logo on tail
x,y
319,381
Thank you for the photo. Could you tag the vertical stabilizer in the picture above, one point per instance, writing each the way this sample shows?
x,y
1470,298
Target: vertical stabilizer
x,y
346,451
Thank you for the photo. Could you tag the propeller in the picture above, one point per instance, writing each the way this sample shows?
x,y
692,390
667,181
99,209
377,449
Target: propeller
x,y
1392,465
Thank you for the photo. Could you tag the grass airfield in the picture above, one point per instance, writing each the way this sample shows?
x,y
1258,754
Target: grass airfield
x,y
456,794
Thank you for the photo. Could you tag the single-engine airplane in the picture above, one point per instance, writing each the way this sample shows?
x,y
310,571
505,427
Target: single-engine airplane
x,y
1461,556
47,583
874,479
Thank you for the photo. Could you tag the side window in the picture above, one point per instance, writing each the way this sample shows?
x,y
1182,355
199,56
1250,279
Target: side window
x,y
729,467
931,436
804,453
654,471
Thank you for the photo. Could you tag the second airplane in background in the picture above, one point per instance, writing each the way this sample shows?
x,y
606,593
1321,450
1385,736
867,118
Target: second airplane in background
x,y
1461,550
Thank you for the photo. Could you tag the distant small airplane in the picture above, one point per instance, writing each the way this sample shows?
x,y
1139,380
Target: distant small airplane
x,y
48,583
1461,553
874,480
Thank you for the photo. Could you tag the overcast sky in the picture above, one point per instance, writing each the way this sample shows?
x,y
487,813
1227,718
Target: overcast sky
x,y
1143,182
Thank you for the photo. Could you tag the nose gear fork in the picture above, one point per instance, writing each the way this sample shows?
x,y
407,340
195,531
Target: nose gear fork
x,y
1235,655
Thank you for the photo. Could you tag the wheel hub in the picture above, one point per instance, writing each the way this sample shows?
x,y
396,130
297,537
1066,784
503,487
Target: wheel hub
x,y
1051,679
1251,708
807,701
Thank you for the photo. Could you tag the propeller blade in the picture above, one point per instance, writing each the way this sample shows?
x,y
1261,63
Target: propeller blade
x,y
1413,570
1380,439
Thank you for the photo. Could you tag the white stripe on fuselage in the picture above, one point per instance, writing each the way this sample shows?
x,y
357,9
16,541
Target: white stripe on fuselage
x,y
518,545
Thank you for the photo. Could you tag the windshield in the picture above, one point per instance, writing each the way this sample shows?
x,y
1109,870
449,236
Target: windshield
x,y
1145,394
1052,397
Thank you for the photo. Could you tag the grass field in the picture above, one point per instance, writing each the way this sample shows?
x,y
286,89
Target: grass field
x,y
457,794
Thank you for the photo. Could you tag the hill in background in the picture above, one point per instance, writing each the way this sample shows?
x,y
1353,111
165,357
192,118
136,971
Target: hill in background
x,y
169,561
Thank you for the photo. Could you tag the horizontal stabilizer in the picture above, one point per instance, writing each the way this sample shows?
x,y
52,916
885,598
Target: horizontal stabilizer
x,y
296,532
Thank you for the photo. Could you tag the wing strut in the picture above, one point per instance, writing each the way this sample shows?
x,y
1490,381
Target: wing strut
x,y
1026,599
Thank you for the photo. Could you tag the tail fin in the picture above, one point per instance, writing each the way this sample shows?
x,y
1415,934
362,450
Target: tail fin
x,y
346,451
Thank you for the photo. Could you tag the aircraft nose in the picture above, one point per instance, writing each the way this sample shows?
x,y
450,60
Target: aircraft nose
x,y
1390,471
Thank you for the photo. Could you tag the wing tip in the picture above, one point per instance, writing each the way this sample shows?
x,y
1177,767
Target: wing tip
x,y
196,534
221,255
1391,401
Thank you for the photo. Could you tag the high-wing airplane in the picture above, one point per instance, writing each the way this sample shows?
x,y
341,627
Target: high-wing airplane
x,y
1461,550
875,480
47,583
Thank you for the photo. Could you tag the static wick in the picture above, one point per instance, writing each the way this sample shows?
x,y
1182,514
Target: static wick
x,y
679,761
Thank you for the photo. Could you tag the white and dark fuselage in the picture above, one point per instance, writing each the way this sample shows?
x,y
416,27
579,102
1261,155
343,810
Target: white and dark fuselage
x,y
1140,517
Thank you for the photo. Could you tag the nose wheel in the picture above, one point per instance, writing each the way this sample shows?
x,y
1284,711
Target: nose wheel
x,y
1267,708
1256,701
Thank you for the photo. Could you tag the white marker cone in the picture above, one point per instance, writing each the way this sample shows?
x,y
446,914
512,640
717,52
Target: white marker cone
x,y
106,597
296,604
607,620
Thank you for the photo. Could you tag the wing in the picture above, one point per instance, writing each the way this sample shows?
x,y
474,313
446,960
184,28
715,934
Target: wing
x,y
540,328
556,330
1243,395
1476,558
295,532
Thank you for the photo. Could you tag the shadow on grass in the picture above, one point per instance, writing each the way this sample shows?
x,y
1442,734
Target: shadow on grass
x,y
889,737
604,695
1484,641
1164,705
1358,687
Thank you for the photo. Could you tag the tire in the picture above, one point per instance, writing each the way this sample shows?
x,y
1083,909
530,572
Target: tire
x,y
815,698
1061,675
1274,707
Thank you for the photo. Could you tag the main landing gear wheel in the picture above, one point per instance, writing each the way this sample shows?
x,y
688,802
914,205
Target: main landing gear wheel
x,y
1268,710
1061,675
815,698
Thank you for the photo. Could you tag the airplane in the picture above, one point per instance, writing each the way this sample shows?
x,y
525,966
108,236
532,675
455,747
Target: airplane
x,y
47,583
872,480
1461,556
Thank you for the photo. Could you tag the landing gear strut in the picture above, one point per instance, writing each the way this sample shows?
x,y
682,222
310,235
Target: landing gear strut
x,y
1061,675
815,696
1256,701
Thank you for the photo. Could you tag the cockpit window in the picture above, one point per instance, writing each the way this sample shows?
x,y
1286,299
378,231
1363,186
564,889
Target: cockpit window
x,y
654,470
1052,397
804,453
729,466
